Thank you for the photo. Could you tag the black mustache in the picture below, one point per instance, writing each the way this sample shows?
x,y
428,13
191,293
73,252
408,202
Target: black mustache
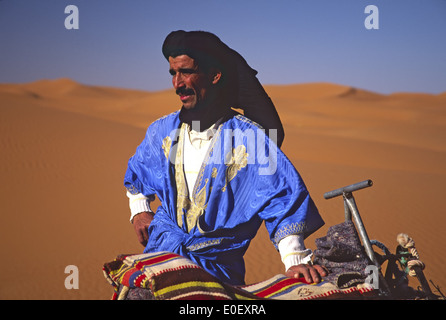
x,y
184,91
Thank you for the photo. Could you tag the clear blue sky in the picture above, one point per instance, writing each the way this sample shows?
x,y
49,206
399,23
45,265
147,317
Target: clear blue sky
x,y
118,42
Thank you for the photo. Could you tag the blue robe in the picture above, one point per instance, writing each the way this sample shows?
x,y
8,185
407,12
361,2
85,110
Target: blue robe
x,y
244,180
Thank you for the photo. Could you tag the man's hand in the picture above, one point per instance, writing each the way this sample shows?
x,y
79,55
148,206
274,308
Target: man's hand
x,y
141,223
312,274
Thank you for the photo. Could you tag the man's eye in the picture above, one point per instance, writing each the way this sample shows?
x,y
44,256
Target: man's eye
x,y
172,73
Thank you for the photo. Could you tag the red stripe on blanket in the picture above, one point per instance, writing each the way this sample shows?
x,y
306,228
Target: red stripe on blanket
x,y
140,264
126,277
278,286
140,279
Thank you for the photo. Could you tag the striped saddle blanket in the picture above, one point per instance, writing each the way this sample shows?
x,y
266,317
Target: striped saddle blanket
x,y
168,276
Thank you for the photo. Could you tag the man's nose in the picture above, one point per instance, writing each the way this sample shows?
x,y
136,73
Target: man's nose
x,y
178,81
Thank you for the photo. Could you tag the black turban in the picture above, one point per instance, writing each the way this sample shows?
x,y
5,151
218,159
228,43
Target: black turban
x,y
238,77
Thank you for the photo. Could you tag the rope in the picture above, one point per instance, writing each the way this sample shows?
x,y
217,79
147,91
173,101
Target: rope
x,y
381,246
407,242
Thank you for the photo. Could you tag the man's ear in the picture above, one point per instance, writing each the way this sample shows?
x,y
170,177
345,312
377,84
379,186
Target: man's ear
x,y
216,76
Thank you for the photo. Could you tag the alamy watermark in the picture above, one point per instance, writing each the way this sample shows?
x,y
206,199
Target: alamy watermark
x,y
372,20
372,278
72,280
257,148
72,20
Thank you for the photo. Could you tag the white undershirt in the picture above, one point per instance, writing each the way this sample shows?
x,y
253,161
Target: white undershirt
x,y
196,145
292,248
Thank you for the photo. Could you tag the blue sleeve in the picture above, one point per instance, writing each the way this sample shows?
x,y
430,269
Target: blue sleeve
x,y
142,166
290,210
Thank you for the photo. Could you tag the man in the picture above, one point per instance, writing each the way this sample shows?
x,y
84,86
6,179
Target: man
x,y
218,174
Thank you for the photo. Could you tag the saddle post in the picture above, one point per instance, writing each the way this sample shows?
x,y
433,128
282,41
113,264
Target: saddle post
x,y
351,212
350,202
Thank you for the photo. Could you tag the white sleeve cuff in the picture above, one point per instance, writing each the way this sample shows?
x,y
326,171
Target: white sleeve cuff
x,y
293,252
138,203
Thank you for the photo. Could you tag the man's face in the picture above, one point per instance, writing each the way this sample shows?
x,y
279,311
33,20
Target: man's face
x,y
190,83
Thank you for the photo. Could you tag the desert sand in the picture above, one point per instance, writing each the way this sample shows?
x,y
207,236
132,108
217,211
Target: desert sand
x,y
65,147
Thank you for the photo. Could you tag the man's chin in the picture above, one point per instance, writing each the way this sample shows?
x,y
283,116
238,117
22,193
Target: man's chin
x,y
188,106
191,106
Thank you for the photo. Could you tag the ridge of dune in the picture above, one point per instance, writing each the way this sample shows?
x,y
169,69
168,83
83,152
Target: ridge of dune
x,y
318,108
47,87
132,107
417,94
319,90
305,91
67,86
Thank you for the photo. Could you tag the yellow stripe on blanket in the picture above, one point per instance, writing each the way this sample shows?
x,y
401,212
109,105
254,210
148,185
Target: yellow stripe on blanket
x,y
280,290
186,285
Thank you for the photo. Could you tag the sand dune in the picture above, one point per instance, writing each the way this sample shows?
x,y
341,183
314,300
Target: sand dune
x,y
65,146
